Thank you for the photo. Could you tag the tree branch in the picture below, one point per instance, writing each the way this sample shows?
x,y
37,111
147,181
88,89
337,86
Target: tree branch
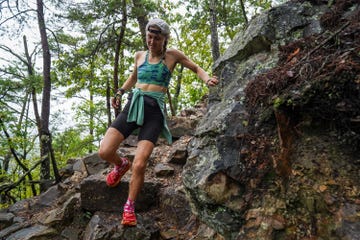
x,y
326,40
9,50
16,15
11,148
8,187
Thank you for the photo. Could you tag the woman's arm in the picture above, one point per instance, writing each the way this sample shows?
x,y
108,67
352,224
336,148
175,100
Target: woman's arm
x,y
186,62
128,84
132,79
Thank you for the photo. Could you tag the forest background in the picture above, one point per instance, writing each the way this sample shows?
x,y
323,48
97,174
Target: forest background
x,y
62,60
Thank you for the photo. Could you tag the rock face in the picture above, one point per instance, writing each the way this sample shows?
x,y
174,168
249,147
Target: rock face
x,y
251,173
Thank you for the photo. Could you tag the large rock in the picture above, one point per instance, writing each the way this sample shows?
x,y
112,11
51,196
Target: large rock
x,y
223,173
279,25
12,229
94,163
174,203
6,219
38,232
61,216
96,196
106,226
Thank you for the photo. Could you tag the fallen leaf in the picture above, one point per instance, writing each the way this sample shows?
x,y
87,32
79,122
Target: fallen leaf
x,y
293,54
322,188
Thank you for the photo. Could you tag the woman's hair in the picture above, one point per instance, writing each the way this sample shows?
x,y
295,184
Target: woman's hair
x,y
165,46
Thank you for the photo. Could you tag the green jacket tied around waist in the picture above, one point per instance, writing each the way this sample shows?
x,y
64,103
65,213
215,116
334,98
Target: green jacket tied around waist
x,y
136,111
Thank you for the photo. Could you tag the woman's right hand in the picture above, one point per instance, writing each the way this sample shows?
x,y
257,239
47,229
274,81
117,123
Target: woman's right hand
x,y
116,101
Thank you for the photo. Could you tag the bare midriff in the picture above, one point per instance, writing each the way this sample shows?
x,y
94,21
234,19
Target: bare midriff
x,y
150,87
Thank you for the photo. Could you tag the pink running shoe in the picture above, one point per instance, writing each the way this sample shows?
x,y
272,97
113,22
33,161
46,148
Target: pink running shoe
x,y
129,219
114,177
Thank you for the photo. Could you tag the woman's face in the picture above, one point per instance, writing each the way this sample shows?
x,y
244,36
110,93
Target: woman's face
x,y
154,40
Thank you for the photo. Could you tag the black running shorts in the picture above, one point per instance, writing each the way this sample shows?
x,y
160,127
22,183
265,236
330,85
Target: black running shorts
x,y
153,121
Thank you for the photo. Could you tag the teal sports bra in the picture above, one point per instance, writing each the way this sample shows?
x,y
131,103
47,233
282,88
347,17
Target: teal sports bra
x,y
157,73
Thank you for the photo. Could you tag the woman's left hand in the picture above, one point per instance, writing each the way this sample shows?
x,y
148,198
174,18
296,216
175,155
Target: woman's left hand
x,y
212,81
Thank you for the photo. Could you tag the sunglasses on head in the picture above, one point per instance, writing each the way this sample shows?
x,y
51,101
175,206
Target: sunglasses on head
x,y
154,31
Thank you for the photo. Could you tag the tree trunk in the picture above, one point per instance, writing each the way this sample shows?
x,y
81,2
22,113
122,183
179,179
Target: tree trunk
x,y
45,136
91,109
108,99
32,91
119,43
243,12
175,101
214,33
142,19
32,88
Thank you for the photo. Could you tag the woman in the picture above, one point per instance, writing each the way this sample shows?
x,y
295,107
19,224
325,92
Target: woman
x,y
145,110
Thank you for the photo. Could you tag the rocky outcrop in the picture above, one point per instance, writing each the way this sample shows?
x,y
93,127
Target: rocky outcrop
x,y
252,172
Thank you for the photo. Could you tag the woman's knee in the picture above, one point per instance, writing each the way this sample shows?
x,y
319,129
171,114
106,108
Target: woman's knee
x,y
104,153
139,166
110,143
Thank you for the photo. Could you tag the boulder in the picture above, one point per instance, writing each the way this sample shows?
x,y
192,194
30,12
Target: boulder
x,y
232,157
96,196
6,219
38,232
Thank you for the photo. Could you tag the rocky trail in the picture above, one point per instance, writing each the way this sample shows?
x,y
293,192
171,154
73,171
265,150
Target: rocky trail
x,y
83,207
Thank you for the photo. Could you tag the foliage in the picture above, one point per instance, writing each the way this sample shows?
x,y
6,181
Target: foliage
x,y
70,144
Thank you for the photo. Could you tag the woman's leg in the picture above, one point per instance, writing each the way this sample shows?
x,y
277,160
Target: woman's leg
x,y
109,145
114,135
107,151
143,152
